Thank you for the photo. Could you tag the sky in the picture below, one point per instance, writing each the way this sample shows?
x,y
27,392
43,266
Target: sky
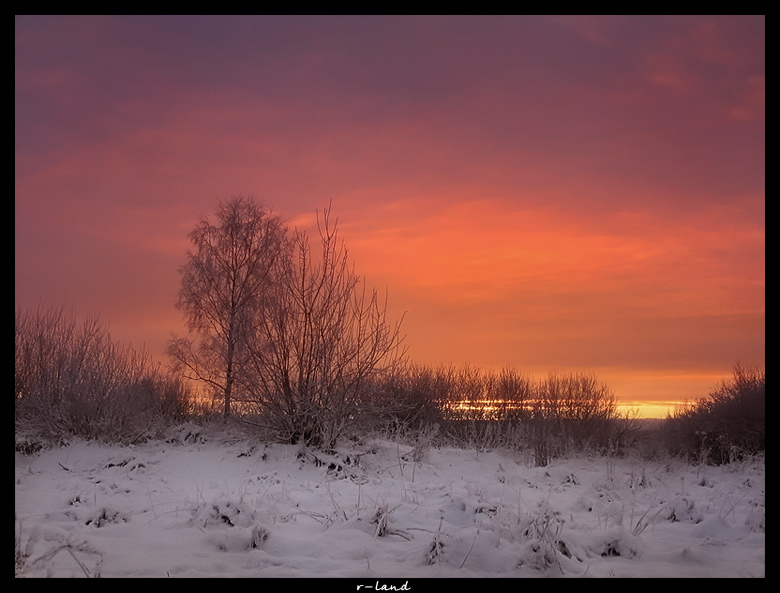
x,y
547,193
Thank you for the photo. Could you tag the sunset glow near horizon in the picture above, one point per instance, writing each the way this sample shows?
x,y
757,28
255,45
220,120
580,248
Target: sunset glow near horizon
x,y
562,193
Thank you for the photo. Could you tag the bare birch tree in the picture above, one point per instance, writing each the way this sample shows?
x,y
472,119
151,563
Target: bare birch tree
x,y
322,337
223,286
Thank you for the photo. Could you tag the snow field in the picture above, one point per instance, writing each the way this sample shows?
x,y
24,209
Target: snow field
x,y
216,507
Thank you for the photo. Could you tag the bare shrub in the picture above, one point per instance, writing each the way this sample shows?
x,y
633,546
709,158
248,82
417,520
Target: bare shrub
x,y
570,412
72,379
485,409
727,424
320,343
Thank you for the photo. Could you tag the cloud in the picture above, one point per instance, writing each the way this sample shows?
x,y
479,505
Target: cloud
x,y
532,190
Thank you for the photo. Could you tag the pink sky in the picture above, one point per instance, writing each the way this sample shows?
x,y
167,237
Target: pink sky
x,y
548,193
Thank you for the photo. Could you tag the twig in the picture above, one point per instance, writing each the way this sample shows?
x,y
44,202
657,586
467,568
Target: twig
x,y
642,524
69,548
335,504
149,494
469,552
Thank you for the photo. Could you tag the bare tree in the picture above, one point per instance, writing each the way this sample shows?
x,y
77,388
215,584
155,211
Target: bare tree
x,y
320,340
224,285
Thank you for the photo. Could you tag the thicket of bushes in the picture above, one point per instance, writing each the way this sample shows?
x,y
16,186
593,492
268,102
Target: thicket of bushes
x,y
70,378
727,424
552,417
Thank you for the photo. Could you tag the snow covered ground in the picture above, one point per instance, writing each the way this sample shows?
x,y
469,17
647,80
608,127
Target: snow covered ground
x,y
207,506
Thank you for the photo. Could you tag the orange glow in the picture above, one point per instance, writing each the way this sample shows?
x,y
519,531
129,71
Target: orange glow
x,y
572,193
